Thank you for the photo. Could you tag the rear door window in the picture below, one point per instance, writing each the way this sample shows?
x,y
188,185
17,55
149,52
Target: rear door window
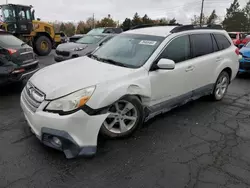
x,y
201,44
222,41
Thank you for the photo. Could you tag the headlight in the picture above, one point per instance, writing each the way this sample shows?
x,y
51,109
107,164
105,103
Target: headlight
x,y
78,49
72,101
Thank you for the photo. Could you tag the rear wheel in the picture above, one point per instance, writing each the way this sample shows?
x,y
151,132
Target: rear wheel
x,y
126,115
221,86
42,46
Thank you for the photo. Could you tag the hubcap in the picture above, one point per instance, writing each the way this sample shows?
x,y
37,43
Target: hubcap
x,y
221,87
122,118
44,45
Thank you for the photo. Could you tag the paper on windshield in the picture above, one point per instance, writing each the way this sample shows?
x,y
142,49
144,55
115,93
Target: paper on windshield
x,y
148,42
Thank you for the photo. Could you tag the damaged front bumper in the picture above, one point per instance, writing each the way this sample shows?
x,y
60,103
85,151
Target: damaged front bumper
x,y
74,134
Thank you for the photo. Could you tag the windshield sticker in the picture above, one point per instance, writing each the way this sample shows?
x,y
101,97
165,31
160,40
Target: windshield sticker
x,y
148,42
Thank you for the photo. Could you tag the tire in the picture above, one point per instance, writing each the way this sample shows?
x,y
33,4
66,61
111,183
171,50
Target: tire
x,y
112,128
42,40
221,86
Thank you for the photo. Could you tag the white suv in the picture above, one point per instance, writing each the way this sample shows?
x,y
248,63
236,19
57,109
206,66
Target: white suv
x,y
133,77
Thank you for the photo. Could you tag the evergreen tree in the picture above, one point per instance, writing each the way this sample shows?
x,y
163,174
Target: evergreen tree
x,y
246,10
236,19
136,20
146,19
172,21
62,27
212,18
126,25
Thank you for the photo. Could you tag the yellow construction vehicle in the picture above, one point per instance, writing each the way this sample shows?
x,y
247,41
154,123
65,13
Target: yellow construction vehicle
x,y
20,21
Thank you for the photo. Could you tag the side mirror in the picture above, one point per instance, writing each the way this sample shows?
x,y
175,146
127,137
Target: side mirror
x,y
166,64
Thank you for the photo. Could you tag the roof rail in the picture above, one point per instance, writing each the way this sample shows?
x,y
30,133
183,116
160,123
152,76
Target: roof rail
x,y
193,27
152,25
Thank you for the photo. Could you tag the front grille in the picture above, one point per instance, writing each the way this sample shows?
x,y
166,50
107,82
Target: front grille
x,y
28,98
26,57
63,53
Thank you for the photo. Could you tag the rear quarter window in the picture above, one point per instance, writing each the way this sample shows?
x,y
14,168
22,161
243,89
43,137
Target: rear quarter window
x,y
222,41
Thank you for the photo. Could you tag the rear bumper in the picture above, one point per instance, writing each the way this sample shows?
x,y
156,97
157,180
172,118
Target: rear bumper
x,y
28,74
20,76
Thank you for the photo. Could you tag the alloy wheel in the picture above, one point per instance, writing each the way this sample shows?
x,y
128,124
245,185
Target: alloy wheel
x,y
123,117
221,87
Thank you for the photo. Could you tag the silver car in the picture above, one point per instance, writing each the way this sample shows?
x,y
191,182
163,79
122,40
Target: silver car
x,y
81,47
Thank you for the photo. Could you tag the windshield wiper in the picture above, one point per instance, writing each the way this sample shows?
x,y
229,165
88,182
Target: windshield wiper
x,y
94,57
111,61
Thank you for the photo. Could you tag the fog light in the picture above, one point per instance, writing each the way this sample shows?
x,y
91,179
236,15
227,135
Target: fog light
x,y
56,141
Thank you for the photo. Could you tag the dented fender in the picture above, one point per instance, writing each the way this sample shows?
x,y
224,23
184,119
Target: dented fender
x,y
106,94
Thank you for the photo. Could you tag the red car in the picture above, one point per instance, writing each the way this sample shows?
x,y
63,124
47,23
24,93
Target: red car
x,y
246,40
237,37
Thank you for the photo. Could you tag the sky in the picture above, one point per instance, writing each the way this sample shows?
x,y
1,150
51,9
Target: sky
x,y
75,10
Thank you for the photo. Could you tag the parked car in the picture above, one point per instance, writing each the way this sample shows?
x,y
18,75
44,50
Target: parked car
x,y
75,37
17,59
132,78
245,59
100,30
81,47
237,37
245,40
64,39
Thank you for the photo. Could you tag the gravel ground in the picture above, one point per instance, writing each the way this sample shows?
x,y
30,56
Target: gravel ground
x,y
200,145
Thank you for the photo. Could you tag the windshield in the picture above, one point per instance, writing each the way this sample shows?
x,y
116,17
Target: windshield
x,y
8,14
90,39
96,31
10,40
232,35
129,50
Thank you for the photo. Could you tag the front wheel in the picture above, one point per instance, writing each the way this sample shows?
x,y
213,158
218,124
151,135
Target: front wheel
x,y
221,86
126,115
42,46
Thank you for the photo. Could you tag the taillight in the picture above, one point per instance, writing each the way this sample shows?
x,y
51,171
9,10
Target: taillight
x,y
18,71
237,51
11,51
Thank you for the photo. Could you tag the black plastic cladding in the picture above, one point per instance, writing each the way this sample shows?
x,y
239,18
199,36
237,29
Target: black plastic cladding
x,y
194,27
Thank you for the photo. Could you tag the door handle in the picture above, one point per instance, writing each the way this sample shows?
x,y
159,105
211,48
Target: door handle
x,y
190,68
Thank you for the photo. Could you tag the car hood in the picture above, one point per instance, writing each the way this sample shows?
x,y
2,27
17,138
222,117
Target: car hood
x,y
70,46
66,77
245,51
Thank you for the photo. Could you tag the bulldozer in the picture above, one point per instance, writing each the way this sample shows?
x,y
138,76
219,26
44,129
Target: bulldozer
x,y
20,21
